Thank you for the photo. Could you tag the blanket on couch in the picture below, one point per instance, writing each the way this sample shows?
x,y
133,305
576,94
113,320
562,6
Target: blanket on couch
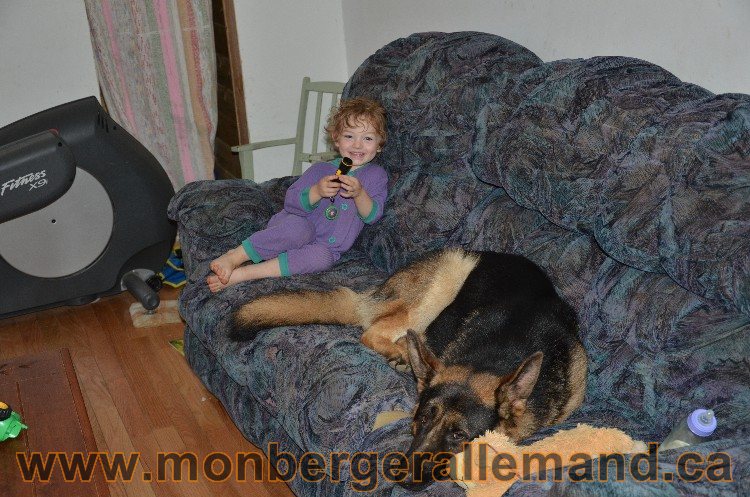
x,y
628,186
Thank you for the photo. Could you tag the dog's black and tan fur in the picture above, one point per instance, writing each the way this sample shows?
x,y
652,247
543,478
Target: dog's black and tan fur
x,y
490,342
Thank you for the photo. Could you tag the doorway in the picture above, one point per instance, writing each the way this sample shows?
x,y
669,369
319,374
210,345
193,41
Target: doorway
x,y
232,119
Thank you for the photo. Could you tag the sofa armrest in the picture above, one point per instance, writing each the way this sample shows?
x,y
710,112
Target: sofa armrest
x,y
216,215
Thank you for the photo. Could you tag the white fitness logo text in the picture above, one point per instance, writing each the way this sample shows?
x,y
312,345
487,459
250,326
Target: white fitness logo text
x,y
34,180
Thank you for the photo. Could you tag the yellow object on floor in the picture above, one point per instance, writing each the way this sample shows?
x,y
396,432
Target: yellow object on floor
x,y
388,417
166,313
178,345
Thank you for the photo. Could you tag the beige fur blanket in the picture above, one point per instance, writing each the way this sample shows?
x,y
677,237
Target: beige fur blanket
x,y
512,462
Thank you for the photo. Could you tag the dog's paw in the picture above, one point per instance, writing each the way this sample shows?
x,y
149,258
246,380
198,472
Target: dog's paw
x,y
399,365
400,359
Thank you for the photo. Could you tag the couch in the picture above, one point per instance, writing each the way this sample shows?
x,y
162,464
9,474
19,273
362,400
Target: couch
x,y
631,189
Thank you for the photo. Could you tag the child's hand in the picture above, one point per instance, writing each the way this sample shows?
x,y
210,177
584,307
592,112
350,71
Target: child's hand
x,y
327,186
351,186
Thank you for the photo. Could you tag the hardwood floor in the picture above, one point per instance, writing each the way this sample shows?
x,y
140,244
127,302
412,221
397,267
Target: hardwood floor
x,y
140,394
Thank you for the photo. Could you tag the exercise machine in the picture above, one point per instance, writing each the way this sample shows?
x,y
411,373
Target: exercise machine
x,y
83,211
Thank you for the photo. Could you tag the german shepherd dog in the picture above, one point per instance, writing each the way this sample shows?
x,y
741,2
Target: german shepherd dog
x,y
491,344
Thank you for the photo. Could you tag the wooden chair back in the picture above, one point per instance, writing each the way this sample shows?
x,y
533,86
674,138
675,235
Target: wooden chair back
x,y
318,89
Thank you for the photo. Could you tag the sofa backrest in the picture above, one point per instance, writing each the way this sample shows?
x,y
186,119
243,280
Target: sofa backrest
x,y
433,85
655,170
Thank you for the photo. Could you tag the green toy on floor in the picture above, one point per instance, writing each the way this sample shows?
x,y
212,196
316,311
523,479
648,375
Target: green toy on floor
x,y
10,422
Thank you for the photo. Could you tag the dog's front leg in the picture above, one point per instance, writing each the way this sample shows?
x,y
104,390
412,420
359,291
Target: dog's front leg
x,y
387,337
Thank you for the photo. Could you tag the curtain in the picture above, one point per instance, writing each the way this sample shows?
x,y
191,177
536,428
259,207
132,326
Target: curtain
x,y
156,64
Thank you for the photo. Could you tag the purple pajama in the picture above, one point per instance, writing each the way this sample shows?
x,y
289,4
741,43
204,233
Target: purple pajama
x,y
294,236
303,237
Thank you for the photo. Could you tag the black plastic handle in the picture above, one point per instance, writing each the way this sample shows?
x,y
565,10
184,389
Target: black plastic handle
x,y
138,288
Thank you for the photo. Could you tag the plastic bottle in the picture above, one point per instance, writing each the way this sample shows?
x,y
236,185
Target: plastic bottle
x,y
696,428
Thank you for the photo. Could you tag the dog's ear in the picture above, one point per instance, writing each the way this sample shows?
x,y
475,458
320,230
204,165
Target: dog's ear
x,y
423,361
512,395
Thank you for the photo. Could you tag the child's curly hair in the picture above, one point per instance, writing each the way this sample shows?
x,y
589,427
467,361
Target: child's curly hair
x,y
353,112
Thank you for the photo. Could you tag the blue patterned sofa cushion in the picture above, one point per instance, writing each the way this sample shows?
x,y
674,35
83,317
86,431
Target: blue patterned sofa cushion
x,y
628,186
433,85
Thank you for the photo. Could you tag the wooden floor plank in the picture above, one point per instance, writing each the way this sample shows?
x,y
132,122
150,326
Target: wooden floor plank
x,y
108,428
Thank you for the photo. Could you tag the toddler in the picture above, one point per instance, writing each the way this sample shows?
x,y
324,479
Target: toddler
x,y
323,213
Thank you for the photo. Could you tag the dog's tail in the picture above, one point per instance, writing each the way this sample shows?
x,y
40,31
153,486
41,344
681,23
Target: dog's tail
x,y
339,306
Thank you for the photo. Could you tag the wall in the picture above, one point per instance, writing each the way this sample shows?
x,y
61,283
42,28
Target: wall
x,y
45,56
46,59
281,41
701,41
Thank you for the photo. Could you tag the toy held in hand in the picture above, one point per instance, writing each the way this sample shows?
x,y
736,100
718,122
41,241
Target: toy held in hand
x,y
343,170
10,422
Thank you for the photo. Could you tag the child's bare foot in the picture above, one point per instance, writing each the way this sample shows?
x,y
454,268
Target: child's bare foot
x,y
242,273
224,266
214,284
265,269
